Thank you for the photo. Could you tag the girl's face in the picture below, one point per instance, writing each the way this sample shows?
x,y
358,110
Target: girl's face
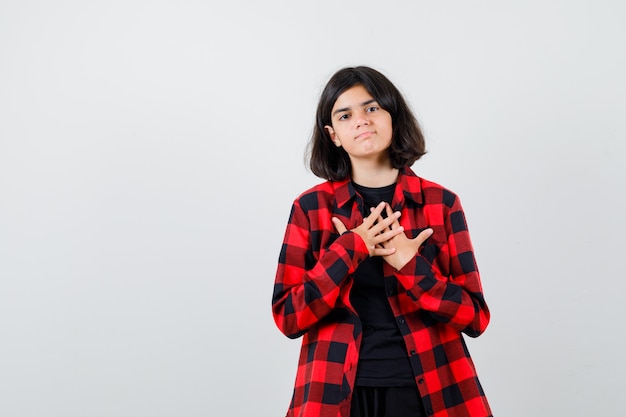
x,y
360,125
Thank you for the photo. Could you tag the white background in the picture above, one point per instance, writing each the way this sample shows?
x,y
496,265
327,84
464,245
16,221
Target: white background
x,y
150,152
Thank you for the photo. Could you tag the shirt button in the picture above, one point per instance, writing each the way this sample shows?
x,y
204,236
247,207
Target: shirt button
x,y
389,292
429,411
401,320
412,352
420,381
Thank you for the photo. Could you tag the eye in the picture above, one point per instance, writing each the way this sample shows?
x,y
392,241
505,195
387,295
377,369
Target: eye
x,y
344,116
372,109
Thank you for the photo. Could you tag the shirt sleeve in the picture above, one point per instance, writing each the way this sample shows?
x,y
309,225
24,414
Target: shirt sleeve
x,y
307,286
456,298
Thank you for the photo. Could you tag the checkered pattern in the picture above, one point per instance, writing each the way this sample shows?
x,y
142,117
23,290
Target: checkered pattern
x,y
435,298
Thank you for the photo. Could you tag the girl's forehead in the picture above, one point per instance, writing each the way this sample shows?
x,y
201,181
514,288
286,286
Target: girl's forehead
x,y
353,96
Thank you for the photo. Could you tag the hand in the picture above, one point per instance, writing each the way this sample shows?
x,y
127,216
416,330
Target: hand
x,y
405,248
374,234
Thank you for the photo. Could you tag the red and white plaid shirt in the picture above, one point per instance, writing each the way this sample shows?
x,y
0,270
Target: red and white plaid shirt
x,y
434,298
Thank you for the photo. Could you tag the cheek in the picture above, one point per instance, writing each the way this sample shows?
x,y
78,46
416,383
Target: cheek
x,y
389,123
386,124
389,133
340,134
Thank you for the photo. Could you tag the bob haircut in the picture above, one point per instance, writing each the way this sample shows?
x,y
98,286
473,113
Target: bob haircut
x,y
407,144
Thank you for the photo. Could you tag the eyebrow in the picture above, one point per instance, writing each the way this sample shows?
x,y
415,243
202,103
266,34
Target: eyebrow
x,y
365,103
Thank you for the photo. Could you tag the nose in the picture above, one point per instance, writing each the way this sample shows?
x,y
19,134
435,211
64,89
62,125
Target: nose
x,y
362,119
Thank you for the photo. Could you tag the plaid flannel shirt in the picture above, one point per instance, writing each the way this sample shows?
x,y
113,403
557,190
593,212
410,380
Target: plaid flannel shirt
x,y
434,298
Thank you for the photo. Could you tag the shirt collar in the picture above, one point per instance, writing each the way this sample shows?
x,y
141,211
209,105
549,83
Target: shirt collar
x,y
410,186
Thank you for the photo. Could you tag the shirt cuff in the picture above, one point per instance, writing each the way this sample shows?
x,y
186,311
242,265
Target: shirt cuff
x,y
416,271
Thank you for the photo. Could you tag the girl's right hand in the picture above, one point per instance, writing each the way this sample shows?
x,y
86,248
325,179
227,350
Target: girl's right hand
x,y
374,234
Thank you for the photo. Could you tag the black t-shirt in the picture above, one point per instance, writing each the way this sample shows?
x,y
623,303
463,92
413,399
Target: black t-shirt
x,y
383,359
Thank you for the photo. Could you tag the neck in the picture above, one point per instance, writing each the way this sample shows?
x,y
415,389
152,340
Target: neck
x,y
374,176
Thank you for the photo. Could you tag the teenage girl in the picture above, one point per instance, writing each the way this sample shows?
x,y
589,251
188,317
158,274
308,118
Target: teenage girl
x,y
377,271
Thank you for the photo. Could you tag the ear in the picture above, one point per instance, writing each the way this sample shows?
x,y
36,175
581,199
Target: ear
x,y
333,135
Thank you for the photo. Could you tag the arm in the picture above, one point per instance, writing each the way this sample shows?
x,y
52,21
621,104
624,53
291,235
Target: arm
x,y
306,287
455,298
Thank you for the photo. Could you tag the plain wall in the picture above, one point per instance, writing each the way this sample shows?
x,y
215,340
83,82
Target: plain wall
x,y
150,152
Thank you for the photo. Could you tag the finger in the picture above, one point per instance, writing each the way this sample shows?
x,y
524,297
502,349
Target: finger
x,y
396,223
384,224
424,234
389,215
378,251
374,213
341,228
385,236
379,219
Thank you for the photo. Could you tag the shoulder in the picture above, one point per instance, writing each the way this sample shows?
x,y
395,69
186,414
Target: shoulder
x,y
315,196
434,192
431,192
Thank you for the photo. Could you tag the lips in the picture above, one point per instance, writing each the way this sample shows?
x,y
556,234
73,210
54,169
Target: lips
x,y
364,135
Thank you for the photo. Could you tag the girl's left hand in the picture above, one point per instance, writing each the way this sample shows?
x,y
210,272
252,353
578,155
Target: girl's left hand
x,y
405,248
